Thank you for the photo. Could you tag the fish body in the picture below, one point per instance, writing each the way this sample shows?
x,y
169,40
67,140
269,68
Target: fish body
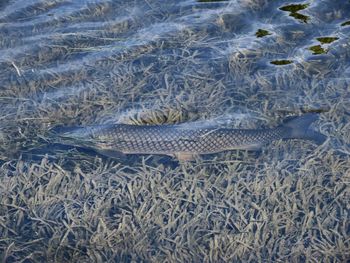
x,y
186,141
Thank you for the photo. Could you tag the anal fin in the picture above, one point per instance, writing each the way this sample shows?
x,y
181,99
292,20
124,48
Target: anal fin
x,y
111,153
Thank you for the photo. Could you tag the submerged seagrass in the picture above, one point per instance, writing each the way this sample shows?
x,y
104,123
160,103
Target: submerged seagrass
x,y
184,140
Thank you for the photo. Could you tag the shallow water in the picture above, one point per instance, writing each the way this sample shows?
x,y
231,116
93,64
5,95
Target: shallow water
x,y
76,63
90,62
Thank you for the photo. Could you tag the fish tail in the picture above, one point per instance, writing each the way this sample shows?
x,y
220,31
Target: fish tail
x,y
299,128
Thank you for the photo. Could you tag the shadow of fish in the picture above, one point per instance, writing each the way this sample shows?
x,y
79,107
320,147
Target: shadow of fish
x,y
184,141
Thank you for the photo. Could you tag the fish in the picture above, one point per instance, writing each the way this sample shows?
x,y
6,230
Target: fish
x,y
185,141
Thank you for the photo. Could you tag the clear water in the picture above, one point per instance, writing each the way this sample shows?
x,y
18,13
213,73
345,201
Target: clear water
x,y
76,63
90,62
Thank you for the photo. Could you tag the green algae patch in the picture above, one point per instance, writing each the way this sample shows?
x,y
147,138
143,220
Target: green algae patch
x,y
299,16
327,40
293,9
262,33
281,62
317,50
347,23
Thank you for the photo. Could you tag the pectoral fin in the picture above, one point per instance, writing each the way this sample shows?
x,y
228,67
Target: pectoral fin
x,y
185,157
252,147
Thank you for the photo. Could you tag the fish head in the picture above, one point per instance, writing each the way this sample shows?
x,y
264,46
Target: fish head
x,y
76,136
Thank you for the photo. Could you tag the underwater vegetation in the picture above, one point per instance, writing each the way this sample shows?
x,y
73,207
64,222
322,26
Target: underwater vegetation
x,y
318,49
293,11
281,62
262,33
327,40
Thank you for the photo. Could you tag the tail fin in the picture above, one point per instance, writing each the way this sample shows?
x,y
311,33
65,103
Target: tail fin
x,y
299,128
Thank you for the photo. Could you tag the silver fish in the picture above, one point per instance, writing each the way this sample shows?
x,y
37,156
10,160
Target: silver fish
x,y
185,141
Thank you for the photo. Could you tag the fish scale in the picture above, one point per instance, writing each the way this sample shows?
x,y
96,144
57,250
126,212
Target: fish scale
x,y
185,141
